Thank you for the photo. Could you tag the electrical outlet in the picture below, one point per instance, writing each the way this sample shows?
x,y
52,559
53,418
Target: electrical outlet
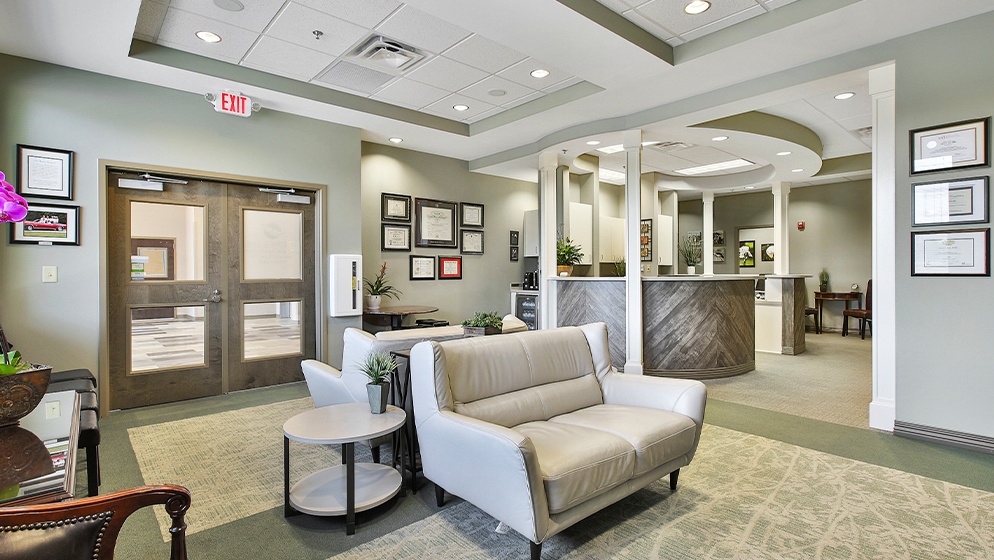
x,y
53,409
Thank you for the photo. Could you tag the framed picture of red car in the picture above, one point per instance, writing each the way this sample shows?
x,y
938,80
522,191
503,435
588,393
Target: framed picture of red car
x,y
47,224
449,268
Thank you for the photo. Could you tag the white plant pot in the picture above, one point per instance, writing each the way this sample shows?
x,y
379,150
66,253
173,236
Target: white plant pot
x,y
373,302
691,270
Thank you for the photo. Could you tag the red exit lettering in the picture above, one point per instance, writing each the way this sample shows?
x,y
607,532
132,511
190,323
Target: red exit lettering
x,y
233,103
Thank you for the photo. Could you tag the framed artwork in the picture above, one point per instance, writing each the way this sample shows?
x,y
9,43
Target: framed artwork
x,y
422,267
719,238
747,254
395,237
435,223
766,252
956,145
47,224
449,268
964,252
514,238
472,214
961,201
694,236
44,172
719,254
395,207
472,242
514,254
645,240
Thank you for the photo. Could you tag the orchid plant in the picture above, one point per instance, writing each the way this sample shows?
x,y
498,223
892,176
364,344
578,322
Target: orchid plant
x,y
13,208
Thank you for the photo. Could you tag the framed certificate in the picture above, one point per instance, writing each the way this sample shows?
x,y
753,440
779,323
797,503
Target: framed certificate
x,y
422,267
962,201
951,146
395,207
472,242
472,214
449,268
396,237
951,253
44,172
436,223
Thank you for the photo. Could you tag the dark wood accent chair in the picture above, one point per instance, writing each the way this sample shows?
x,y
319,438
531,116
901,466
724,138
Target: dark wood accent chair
x,y
864,315
813,311
87,528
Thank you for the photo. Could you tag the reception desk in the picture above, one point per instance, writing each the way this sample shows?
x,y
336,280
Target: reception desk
x,y
694,327
780,315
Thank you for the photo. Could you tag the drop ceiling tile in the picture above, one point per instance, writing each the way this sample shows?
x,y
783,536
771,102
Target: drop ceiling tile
x,y
353,77
286,59
774,4
649,25
798,111
723,23
859,121
150,17
410,94
837,109
665,162
670,14
524,99
482,91
418,29
255,16
703,155
367,13
482,53
521,73
444,108
297,23
446,73
617,6
179,29
562,85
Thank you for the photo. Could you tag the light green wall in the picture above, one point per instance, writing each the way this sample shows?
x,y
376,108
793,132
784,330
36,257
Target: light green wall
x,y
486,278
99,117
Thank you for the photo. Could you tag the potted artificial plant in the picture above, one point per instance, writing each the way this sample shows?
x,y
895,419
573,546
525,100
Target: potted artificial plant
x,y
378,367
823,280
619,267
690,250
568,255
483,323
378,288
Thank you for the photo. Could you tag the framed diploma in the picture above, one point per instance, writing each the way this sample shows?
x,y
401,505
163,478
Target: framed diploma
x,y
963,252
472,242
395,207
435,223
44,172
472,214
962,201
449,268
422,267
396,237
951,146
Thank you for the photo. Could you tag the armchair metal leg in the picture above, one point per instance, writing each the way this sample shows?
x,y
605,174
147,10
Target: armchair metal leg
x,y
439,496
673,478
536,549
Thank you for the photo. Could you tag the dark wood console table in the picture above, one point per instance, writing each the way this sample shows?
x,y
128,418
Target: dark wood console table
x,y
398,312
822,297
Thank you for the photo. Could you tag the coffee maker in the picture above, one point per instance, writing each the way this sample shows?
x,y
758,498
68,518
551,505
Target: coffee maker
x,y
531,281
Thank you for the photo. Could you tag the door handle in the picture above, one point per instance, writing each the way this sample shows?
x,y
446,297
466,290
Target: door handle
x,y
215,297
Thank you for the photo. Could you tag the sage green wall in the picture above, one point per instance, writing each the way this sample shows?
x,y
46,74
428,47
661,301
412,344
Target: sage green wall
x,y
99,117
486,278
945,376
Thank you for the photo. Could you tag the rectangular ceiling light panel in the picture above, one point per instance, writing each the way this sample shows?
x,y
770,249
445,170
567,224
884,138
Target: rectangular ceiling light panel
x,y
713,167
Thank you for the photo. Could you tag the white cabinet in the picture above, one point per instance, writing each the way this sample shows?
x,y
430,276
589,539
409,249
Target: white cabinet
x,y
612,239
529,234
664,240
581,229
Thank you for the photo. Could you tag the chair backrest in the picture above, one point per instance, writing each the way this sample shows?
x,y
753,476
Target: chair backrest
x,y
869,294
87,528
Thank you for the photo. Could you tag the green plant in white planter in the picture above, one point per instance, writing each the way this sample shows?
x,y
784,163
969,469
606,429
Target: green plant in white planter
x,y
378,367
378,288
690,250
483,323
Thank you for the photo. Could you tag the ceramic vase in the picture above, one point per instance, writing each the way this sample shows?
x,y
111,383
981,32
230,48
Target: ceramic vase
x,y
377,393
373,302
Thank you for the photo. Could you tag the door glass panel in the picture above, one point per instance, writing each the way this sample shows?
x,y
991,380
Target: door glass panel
x,y
167,338
271,329
171,237
271,245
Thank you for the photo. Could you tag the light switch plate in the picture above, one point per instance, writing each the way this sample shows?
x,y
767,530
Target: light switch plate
x,y
49,274
53,409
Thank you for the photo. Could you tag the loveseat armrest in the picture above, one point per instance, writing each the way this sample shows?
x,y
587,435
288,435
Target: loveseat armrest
x,y
684,396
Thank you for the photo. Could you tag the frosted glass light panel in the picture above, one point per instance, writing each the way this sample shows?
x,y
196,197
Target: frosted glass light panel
x,y
172,237
167,337
271,329
272,245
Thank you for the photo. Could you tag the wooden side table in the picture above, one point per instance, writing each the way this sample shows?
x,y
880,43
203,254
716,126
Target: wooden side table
x,y
347,488
822,297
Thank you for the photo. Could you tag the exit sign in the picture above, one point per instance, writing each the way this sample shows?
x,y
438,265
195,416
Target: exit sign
x,y
233,104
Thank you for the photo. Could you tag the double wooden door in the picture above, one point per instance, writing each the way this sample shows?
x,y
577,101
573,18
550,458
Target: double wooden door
x,y
211,289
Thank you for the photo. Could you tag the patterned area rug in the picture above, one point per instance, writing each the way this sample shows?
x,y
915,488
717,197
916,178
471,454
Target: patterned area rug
x,y
232,462
746,497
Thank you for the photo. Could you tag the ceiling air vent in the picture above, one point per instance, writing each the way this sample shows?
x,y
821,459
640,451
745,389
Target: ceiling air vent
x,y
865,133
666,147
386,54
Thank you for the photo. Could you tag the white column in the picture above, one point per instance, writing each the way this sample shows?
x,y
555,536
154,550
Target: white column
x,y
781,228
633,278
884,268
707,239
547,164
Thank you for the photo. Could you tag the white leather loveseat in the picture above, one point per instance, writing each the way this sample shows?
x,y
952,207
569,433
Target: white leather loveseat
x,y
539,431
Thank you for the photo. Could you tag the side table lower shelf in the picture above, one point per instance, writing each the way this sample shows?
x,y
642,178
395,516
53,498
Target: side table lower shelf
x,y
324,492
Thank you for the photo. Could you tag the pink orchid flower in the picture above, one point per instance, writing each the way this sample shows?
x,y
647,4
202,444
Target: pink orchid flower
x,y
13,208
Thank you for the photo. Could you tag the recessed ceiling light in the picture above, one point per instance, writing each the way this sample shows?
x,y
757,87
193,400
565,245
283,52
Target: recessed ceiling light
x,y
719,138
796,170
712,167
612,149
845,95
783,153
497,92
750,188
593,142
396,140
539,73
460,107
697,7
611,176
230,5
208,37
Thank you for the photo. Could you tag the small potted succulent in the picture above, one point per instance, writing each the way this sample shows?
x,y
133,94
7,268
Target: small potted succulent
x,y
378,288
378,367
483,323
568,255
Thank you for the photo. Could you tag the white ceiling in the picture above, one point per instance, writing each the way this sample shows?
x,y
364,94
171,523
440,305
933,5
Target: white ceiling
x,y
602,81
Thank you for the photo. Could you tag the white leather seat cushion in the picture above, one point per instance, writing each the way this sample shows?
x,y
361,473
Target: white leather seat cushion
x,y
578,463
657,436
